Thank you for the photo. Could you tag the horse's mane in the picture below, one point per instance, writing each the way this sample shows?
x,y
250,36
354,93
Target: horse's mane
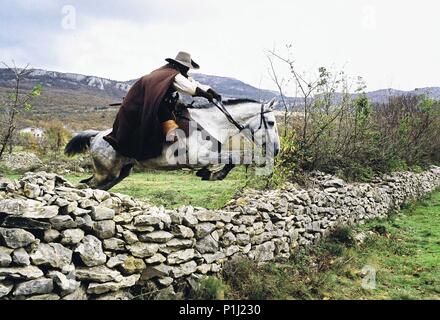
x,y
233,102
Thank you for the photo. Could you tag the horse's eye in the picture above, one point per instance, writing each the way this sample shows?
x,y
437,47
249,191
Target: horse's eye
x,y
271,123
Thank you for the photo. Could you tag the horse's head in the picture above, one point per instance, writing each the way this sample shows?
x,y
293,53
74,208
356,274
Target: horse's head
x,y
264,127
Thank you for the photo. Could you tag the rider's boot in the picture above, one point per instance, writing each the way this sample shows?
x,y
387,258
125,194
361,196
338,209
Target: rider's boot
x,y
170,128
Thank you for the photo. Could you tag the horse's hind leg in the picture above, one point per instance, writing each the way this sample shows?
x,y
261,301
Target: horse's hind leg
x,y
111,181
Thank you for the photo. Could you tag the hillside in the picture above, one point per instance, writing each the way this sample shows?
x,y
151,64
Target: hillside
x,y
82,100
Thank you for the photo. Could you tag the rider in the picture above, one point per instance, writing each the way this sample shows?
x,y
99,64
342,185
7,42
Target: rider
x,y
145,118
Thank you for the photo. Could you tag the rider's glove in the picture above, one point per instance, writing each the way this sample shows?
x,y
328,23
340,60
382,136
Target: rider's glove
x,y
204,94
215,95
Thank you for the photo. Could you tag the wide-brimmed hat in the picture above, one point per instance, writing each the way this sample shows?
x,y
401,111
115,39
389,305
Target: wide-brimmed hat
x,y
184,58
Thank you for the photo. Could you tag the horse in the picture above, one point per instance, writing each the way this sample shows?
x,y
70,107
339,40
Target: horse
x,y
207,134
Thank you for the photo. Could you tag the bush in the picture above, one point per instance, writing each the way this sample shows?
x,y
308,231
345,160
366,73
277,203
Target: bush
x,y
342,235
209,288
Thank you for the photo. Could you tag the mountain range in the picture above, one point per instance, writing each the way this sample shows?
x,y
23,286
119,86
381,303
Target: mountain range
x,y
98,92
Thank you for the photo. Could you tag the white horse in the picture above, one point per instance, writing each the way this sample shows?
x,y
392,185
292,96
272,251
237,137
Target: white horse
x,y
205,143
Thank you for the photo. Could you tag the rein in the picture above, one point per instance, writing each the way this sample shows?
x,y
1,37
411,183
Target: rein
x,y
239,126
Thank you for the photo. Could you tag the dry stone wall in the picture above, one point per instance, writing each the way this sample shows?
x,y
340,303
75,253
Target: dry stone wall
x,y
61,242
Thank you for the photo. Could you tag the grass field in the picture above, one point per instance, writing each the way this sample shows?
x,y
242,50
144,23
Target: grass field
x,y
402,254
173,189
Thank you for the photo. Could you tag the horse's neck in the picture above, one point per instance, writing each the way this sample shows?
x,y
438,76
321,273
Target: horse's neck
x,y
243,112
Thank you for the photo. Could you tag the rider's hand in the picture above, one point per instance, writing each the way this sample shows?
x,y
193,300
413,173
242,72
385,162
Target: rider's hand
x,y
202,93
215,95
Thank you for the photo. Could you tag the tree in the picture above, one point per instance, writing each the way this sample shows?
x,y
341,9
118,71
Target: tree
x,y
16,102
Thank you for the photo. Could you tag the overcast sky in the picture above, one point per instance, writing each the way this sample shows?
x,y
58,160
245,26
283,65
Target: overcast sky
x,y
391,43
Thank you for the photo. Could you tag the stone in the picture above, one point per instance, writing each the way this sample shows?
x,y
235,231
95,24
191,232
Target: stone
x,y
116,260
98,274
45,297
243,239
130,237
21,257
90,251
47,212
133,265
114,244
78,294
184,269
72,236
207,244
87,203
5,288
85,222
210,258
124,217
176,217
146,220
51,235
229,251
204,268
265,207
101,195
63,222
151,272
5,257
180,256
263,252
23,223
65,285
29,272
182,232
79,211
61,202
178,244
228,238
204,229
143,250
100,213
53,254
104,229
338,183
190,220
165,281
37,286
208,216
116,296
245,220
16,238
156,259
100,288
156,236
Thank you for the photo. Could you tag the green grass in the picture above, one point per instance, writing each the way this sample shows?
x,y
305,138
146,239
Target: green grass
x,y
406,259
174,189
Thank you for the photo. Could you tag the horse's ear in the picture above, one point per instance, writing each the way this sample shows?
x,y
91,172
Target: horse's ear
x,y
271,104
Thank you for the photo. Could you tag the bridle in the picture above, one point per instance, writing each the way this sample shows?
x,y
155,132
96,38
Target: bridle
x,y
240,127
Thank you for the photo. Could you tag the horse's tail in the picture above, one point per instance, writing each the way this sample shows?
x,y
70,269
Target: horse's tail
x,y
80,143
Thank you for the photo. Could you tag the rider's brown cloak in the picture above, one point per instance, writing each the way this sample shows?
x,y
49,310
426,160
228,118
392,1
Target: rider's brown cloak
x,y
137,132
